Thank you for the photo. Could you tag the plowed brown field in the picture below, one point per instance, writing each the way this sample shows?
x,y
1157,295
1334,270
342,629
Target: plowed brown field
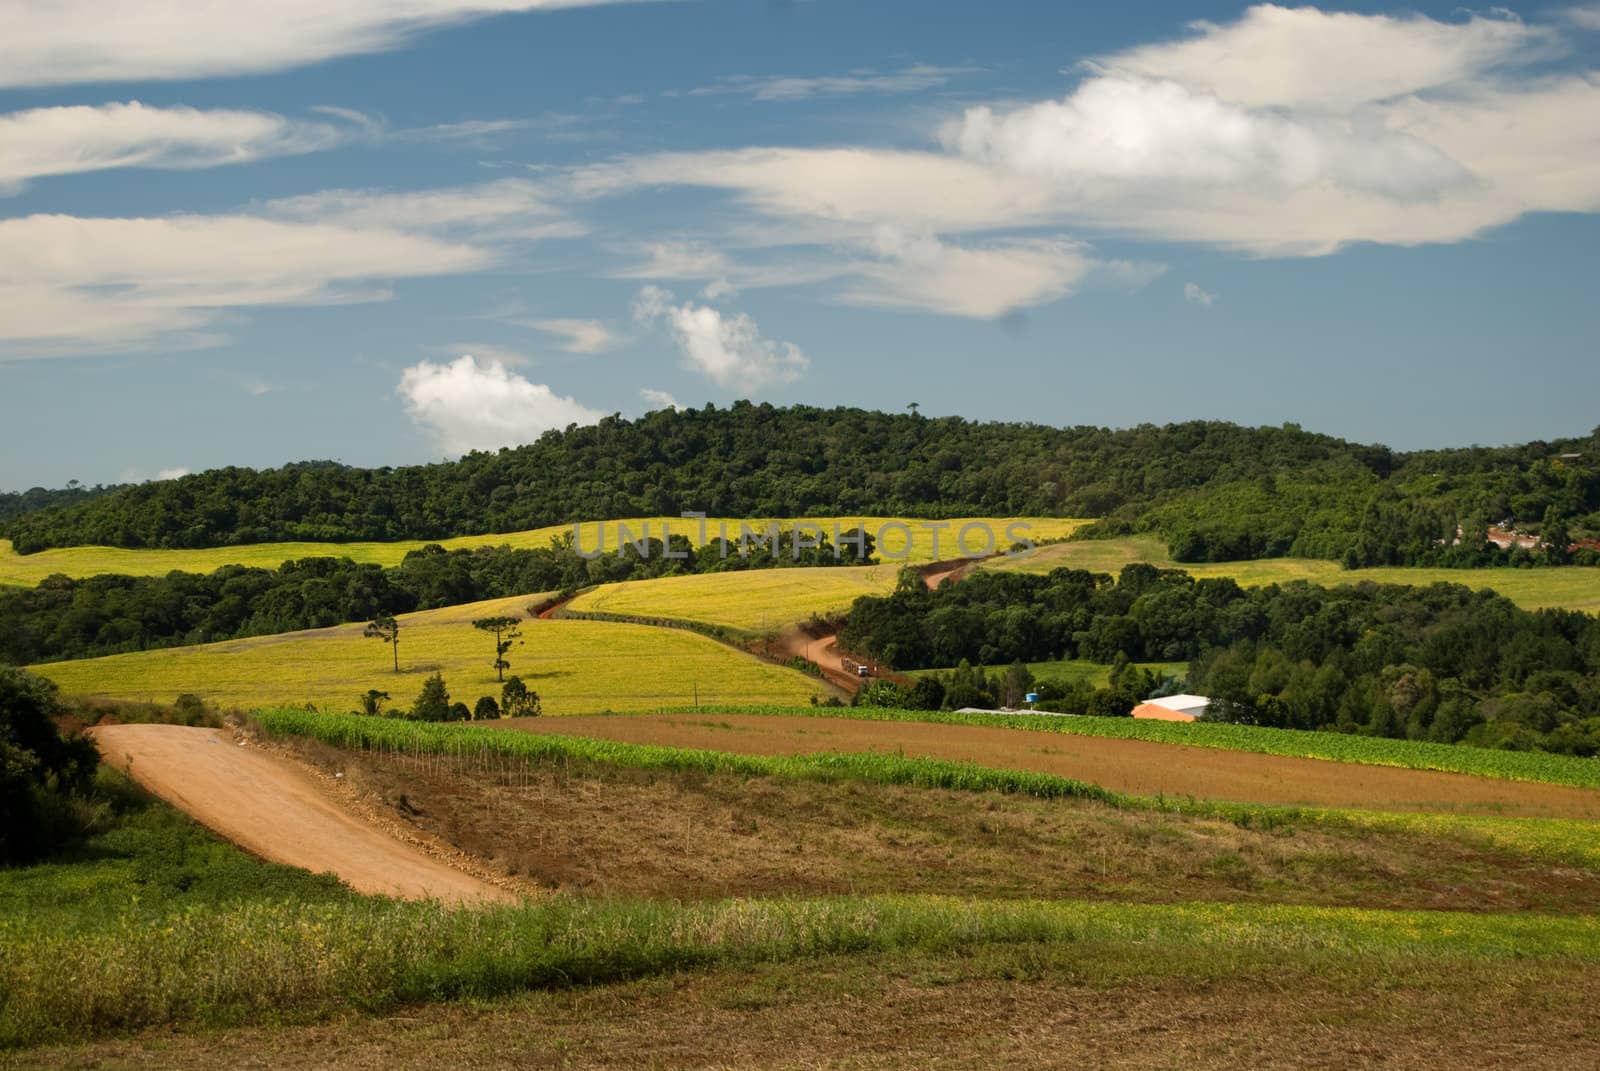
x,y
1134,766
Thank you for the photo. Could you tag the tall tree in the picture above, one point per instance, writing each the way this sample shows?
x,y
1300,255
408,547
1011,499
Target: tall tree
x,y
1555,536
507,634
433,702
384,627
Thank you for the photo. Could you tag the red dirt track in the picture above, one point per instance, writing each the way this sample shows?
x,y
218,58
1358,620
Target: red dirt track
x,y
1133,766
275,809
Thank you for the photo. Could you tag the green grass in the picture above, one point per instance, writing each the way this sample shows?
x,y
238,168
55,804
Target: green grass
x,y
1073,671
287,962
145,859
391,734
1571,588
28,570
575,666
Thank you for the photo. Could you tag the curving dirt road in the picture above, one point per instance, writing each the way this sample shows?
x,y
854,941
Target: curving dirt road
x,y
275,809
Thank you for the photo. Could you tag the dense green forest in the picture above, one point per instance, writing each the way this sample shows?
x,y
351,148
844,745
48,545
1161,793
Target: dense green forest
x,y
1441,663
16,503
1214,491
65,618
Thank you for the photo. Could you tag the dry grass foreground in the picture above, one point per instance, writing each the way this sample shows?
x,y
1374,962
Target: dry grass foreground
x,y
1136,767
602,830
1067,1006
1567,588
28,570
573,665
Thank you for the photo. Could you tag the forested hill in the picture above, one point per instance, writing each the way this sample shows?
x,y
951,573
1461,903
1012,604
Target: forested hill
x,y
758,460
16,503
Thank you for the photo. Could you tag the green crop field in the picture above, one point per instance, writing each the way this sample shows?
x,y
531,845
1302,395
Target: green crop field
x,y
752,600
1571,588
27,570
575,666
1074,671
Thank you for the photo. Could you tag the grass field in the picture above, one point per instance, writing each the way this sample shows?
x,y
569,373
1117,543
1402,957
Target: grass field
x,y
752,600
28,570
1532,589
1073,671
575,666
1060,1005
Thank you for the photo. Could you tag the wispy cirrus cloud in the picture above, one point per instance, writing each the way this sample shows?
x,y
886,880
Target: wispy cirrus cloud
x,y
502,210
72,284
913,79
80,285
581,336
63,42
658,399
42,142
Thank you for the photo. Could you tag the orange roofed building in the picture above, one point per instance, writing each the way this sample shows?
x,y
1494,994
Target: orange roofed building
x,y
1172,708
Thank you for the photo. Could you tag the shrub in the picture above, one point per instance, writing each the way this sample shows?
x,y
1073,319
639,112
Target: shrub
x,y
433,702
42,774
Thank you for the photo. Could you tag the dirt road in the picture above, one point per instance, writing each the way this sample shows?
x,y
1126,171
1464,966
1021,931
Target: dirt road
x,y
274,808
1134,766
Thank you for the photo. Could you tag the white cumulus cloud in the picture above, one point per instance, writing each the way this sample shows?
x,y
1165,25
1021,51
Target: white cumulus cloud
x,y
466,405
1333,60
1113,131
1286,132
728,350
1193,293
658,399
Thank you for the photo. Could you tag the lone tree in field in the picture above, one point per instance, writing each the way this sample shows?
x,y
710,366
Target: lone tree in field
x,y
433,702
386,628
507,634
517,702
372,702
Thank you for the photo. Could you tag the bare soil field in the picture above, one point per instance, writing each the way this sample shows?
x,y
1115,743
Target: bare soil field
x,y
1133,766
275,809
610,831
1062,1006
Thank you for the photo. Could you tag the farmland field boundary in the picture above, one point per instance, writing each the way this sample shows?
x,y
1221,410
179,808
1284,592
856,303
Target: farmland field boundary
x,y
1569,840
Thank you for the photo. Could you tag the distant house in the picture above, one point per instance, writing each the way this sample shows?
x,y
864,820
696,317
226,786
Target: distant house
x,y
1172,708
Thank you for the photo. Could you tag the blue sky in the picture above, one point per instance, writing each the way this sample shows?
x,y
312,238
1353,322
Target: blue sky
x,y
257,233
